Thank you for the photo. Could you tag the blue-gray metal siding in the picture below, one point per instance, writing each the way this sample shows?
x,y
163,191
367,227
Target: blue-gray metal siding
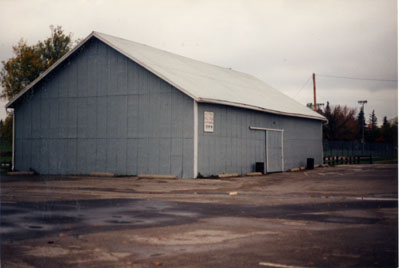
x,y
101,112
233,147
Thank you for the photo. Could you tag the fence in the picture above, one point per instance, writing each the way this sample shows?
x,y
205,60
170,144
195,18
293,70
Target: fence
x,y
5,155
349,148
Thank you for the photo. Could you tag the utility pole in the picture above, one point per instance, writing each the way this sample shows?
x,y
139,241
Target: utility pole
x,y
362,102
315,93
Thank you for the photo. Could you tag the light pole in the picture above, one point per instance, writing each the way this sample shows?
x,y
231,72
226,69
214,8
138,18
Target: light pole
x,y
362,102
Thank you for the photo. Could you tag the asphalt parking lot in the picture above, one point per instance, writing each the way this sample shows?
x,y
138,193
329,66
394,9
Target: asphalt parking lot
x,y
343,216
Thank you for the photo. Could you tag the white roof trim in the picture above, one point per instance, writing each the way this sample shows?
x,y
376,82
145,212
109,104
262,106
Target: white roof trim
x,y
241,105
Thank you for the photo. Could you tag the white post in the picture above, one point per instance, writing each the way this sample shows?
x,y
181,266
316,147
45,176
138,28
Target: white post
x,y
195,138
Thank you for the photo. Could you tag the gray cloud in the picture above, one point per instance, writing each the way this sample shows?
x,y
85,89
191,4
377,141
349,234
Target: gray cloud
x,y
280,42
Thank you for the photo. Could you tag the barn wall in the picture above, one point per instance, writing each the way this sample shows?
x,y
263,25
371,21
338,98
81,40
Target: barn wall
x,y
233,147
101,112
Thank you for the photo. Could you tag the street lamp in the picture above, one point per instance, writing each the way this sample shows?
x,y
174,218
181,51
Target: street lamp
x,y
362,102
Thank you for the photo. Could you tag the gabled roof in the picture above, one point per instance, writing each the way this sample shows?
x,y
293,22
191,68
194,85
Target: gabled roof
x,y
201,81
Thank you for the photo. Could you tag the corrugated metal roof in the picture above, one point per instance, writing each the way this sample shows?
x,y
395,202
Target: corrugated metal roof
x,y
201,81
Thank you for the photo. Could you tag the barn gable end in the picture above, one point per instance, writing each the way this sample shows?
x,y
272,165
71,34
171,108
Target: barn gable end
x,y
100,111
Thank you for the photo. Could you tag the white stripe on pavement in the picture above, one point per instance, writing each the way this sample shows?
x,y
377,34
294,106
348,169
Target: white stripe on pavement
x,y
376,198
270,264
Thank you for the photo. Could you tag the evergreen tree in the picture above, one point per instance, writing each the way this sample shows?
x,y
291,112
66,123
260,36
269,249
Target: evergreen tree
x,y
373,121
329,127
6,129
385,121
372,133
388,132
361,124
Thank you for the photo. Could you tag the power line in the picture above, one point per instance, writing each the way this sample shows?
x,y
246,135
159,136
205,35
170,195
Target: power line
x,y
357,78
308,80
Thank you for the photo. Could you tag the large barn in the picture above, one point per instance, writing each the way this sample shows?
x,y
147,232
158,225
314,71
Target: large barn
x,y
113,105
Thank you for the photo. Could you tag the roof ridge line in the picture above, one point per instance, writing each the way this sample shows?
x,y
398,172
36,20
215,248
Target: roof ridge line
x,y
173,53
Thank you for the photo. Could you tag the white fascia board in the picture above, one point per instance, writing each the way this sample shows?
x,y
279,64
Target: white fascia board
x,y
13,144
241,105
51,68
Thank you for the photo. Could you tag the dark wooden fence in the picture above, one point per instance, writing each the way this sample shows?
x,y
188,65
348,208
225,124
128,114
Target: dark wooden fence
x,y
349,148
5,155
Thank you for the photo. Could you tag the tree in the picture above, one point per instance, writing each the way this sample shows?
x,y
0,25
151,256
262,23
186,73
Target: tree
x,y
328,127
20,70
54,47
327,108
30,61
341,125
6,129
395,131
388,132
385,121
27,64
373,120
361,124
372,133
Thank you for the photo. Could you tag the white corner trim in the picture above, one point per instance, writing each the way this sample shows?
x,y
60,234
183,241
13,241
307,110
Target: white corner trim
x,y
195,138
13,144
266,151
283,157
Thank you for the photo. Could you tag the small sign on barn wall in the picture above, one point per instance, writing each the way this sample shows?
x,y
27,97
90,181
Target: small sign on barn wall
x,y
208,121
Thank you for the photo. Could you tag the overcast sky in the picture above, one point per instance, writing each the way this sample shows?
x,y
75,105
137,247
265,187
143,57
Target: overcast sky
x,y
280,42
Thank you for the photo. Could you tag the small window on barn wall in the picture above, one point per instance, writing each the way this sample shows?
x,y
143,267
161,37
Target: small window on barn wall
x,y
208,121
